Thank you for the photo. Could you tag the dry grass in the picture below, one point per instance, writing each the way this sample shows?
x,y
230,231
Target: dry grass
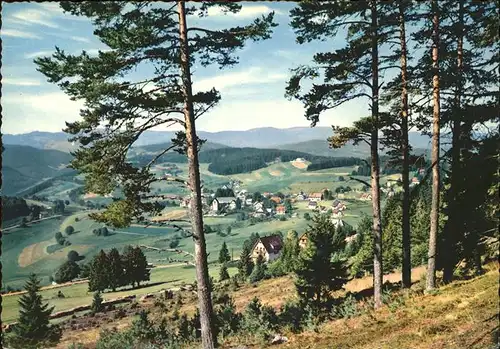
x,y
171,215
33,253
275,173
299,165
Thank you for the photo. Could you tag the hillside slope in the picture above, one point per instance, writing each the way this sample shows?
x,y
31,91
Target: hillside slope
x,y
23,166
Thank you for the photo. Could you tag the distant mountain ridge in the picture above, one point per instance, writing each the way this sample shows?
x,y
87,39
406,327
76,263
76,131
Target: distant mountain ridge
x,y
265,137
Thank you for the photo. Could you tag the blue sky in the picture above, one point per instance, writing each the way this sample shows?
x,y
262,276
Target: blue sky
x,y
252,91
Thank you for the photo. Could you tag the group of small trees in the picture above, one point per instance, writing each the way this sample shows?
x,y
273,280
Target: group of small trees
x,y
61,240
101,231
113,270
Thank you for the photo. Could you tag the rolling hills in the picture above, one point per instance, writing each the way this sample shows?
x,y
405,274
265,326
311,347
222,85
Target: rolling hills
x,y
24,166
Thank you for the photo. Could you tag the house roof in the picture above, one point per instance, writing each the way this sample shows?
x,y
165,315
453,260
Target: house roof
x,y
225,200
272,244
313,203
276,199
336,203
315,195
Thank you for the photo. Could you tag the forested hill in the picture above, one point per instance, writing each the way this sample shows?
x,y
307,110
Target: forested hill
x,y
226,161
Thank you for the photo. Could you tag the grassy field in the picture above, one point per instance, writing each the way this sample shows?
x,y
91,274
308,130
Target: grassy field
x,y
77,295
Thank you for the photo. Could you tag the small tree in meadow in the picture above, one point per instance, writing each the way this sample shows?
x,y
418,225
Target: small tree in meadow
x,y
223,273
224,255
69,230
259,271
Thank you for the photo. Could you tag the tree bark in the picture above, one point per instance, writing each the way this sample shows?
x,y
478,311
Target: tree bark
x,y
208,338
375,180
406,269
454,226
431,263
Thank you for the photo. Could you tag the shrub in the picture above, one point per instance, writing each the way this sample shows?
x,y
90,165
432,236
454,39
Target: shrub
x,y
291,316
174,243
73,256
348,308
111,339
77,219
69,230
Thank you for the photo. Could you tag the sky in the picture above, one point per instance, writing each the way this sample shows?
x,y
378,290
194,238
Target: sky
x,y
252,91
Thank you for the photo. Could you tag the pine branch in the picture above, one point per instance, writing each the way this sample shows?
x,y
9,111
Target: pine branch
x,y
360,181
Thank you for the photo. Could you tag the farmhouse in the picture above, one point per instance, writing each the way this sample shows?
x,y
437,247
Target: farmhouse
x,y
267,194
280,210
339,205
223,204
312,205
258,206
336,213
269,247
301,197
276,199
315,196
365,197
303,240
185,202
249,202
299,160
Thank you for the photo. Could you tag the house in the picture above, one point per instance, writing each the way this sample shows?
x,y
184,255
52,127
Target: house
x,y
268,247
258,206
249,202
299,160
339,205
312,205
267,194
315,196
301,197
223,203
185,202
303,240
280,210
276,199
259,213
269,211
365,197
351,238
341,195
336,213
415,181
337,222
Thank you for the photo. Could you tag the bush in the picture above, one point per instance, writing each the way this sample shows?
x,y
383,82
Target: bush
x,y
348,308
291,316
111,339
174,243
73,256
69,230
77,219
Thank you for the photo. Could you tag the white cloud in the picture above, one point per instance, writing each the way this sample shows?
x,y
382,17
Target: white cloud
x,y
80,39
18,34
38,54
95,51
254,75
56,11
246,11
32,16
20,82
38,112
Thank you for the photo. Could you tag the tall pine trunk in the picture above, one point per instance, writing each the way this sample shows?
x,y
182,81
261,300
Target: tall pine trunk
x,y
454,227
205,302
375,175
406,272
431,263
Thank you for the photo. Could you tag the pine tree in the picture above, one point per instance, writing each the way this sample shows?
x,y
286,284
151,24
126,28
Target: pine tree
x,y
128,265
431,264
96,306
245,264
290,253
315,287
224,254
116,273
33,329
68,271
140,271
223,273
99,272
259,271
160,36
348,73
